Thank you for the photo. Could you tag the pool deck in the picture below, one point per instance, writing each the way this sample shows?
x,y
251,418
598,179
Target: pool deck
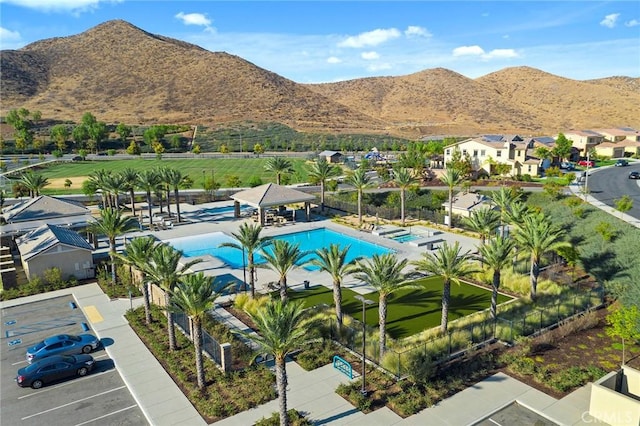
x,y
197,221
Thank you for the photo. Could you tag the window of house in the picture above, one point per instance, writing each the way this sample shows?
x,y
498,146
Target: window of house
x,y
448,152
529,168
475,152
464,152
499,153
482,153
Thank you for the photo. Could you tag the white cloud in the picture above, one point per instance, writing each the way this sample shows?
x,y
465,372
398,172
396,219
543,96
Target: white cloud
x,y
198,19
333,60
609,21
415,31
74,6
501,53
468,50
370,38
369,55
379,67
632,23
8,35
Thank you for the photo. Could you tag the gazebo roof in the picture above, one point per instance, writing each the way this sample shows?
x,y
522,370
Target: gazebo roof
x,y
270,195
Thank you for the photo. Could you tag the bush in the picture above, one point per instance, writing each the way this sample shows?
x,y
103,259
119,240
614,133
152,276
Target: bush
x,y
295,419
574,377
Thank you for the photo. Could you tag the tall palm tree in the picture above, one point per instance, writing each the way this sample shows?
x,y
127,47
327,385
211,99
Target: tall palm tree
x,y
333,260
282,257
451,178
165,270
149,182
98,181
130,177
137,254
111,224
537,235
403,180
505,199
282,328
452,265
115,185
496,255
359,180
484,221
321,171
176,180
165,185
279,166
249,240
195,296
34,182
384,273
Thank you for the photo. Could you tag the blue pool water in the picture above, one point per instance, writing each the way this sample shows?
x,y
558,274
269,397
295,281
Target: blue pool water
x,y
406,238
309,241
224,209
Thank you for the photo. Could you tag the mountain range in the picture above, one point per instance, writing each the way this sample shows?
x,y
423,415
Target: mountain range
x,y
121,73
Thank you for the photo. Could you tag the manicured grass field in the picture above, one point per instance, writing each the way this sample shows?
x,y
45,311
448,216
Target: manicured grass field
x,y
244,168
409,311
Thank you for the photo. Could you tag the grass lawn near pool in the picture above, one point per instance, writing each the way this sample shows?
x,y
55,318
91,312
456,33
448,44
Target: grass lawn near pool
x,y
409,311
221,169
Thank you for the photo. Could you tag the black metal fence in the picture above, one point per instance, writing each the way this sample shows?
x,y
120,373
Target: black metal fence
x,y
209,344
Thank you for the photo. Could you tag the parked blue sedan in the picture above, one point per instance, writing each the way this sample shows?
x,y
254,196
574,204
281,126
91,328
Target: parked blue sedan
x,y
62,344
54,368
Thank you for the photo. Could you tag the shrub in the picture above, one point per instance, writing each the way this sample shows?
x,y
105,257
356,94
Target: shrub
x,y
574,377
295,419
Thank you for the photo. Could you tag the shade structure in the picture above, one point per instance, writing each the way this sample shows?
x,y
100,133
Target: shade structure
x,y
271,195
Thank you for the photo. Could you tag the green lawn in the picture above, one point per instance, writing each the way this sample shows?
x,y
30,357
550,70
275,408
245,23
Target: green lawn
x,y
244,168
409,311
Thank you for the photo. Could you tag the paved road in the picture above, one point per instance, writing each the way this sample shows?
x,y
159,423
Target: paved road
x,y
609,184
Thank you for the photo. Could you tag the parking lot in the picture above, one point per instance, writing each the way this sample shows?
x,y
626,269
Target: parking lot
x,y
96,399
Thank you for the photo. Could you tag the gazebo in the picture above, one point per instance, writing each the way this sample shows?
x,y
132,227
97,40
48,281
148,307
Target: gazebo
x,y
271,195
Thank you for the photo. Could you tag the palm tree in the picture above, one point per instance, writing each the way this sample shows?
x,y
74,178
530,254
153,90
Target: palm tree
x,y
279,166
384,273
452,265
321,171
249,240
115,185
451,178
195,296
34,182
138,254
111,224
333,260
282,328
403,180
149,181
130,177
484,221
98,181
505,199
165,270
283,258
537,235
360,181
175,179
496,255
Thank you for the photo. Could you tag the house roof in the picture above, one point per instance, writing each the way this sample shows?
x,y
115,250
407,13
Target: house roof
x,y
468,201
43,207
43,238
547,140
270,195
329,153
583,133
621,131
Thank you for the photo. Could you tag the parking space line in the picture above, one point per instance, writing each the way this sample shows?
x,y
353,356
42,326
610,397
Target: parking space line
x,y
92,313
107,415
493,421
71,403
25,361
65,384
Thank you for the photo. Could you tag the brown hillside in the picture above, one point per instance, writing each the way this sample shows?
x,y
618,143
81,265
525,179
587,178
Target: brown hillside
x,y
122,73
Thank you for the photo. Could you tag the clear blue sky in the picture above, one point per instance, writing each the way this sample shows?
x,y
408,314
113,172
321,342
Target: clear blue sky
x,y
326,41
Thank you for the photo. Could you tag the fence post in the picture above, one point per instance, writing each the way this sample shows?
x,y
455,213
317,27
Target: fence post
x,y
225,352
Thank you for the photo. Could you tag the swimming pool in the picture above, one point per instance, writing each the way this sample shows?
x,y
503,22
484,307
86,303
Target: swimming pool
x,y
406,238
309,241
224,209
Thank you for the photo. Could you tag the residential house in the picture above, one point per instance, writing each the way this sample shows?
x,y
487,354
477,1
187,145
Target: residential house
x,y
584,140
464,203
487,151
51,246
331,156
619,142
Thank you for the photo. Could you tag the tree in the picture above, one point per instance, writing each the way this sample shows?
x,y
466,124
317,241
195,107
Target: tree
x,y
258,149
385,274
282,328
137,254
624,322
194,295
333,260
537,236
320,172
451,178
360,181
403,180
111,224
165,270
149,181
176,180
484,221
34,182
504,199
451,264
624,204
562,148
282,257
124,132
60,133
279,166
133,148
496,255
80,135
130,179
249,240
